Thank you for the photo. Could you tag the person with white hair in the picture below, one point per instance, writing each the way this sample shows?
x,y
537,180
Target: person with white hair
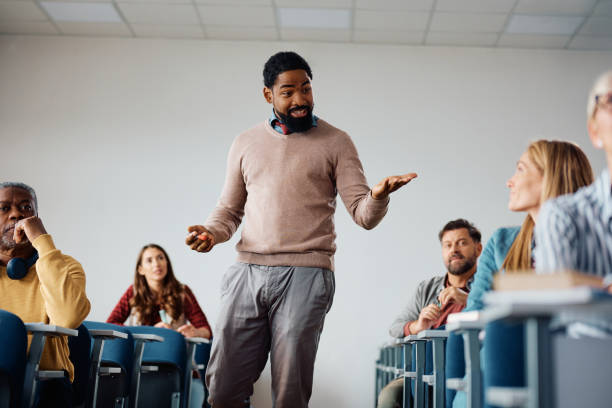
x,y
575,231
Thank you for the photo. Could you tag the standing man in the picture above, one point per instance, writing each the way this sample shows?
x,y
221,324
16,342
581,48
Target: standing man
x,y
439,296
39,284
283,176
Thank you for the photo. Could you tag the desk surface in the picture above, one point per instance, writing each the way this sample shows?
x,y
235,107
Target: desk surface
x,y
579,300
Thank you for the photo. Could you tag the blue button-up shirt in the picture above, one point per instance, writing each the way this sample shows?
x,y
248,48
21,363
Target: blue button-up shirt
x,y
575,231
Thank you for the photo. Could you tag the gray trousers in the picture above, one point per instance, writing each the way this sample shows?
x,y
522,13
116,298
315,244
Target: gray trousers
x,y
268,309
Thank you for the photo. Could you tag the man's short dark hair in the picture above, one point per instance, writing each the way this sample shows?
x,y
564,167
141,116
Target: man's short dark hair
x,y
458,224
281,62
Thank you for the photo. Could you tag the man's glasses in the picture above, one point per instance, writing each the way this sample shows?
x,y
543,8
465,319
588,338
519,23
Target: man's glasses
x,y
604,101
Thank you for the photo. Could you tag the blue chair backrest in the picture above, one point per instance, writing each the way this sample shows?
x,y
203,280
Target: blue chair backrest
x,y
202,355
13,349
171,351
116,351
80,356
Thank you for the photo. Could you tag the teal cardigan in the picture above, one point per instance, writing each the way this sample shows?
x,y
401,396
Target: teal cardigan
x,y
490,262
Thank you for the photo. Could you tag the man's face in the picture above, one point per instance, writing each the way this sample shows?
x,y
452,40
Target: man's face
x,y
15,204
291,97
459,251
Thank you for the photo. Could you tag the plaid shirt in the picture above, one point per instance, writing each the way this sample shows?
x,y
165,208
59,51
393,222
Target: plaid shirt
x,y
191,309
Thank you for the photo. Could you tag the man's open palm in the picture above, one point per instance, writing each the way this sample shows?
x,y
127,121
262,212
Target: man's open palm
x,y
390,184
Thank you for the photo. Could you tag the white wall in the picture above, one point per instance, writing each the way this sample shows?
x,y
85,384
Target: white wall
x,y
125,141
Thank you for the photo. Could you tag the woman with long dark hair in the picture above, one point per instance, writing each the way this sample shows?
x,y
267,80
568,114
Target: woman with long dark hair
x,y
158,299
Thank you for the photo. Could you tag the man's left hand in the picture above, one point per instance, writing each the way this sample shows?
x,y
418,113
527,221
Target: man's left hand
x,y
390,184
456,295
28,229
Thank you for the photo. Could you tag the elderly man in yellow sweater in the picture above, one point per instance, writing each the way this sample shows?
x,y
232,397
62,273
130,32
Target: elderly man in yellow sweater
x,y
39,284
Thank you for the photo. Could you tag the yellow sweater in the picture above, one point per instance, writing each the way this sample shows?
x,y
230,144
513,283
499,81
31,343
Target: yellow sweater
x,y
53,292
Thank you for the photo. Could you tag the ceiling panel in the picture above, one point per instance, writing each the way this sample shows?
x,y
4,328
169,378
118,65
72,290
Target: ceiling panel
x,y
583,42
315,3
97,29
139,13
241,33
411,5
27,27
555,7
533,41
168,30
603,8
575,24
248,16
82,12
235,2
391,20
597,26
389,37
476,6
461,39
21,10
562,25
314,18
467,22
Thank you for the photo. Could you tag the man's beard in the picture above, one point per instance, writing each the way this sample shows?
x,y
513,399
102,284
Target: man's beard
x,y
461,268
7,242
296,124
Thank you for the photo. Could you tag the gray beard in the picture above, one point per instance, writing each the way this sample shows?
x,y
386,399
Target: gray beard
x,y
7,243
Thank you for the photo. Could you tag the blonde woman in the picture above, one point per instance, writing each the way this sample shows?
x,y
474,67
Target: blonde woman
x,y
547,169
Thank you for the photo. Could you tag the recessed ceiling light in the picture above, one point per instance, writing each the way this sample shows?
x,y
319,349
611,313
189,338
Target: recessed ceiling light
x,y
529,24
83,12
314,18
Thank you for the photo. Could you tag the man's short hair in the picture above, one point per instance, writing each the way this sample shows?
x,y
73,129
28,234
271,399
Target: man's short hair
x,y
281,62
458,224
15,184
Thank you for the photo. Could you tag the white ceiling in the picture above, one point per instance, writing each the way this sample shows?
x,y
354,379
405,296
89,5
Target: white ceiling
x,y
570,24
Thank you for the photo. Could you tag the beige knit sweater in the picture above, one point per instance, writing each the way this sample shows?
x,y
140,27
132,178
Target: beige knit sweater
x,y
285,187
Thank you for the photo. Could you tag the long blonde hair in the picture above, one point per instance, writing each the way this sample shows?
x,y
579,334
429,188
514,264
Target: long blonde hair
x,y
565,169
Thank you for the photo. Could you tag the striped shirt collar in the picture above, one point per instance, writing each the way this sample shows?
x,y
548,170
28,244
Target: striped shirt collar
x,y
604,191
275,122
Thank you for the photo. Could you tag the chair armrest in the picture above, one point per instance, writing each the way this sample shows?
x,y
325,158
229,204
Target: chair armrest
x,y
107,334
50,330
457,384
109,370
432,334
197,340
147,337
507,396
48,375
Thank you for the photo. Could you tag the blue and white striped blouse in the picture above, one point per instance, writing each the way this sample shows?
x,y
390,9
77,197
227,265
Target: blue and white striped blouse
x,y
575,231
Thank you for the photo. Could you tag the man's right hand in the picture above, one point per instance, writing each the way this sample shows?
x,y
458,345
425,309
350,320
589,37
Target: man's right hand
x,y
200,239
427,318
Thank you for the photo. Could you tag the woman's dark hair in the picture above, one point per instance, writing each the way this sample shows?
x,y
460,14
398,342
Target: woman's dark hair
x,y
461,223
145,302
281,62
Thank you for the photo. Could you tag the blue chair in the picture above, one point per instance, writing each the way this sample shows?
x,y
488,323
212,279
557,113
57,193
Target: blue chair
x,y
198,354
13,348
80,356
110,373
162,376
202,356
